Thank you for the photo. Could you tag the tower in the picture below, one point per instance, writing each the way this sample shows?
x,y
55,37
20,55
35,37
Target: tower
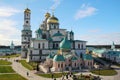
x,y
12,47
26,33
71,35
113,46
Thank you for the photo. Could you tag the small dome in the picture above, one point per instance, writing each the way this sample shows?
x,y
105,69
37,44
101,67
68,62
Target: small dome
x,y
87,57
47,15
58,57
57,34
53,19
39,31
27,10
74,58
71,32
65,44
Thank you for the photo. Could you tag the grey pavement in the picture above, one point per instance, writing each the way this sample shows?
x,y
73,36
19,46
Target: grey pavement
x,y
23,71
32,76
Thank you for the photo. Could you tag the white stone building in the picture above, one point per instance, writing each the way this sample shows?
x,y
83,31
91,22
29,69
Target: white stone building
x,y
112,54
47,40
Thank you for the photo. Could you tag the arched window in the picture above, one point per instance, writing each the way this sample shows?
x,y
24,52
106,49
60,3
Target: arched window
x,y
58,65
30,51
88,63
56,45
75,64
81,46
53,45
61,65
81,55
39,45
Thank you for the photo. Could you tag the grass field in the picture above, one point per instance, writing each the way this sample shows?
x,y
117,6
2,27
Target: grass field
x,y
11,77
10,56
5,62
105,72
56,75
26,65
6,69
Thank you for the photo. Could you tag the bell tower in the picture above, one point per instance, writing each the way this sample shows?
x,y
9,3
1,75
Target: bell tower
x,y
26,33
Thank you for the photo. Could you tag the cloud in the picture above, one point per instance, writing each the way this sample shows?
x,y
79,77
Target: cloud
x,y
55,4
85,11
9,32
8,28
8,11
101,38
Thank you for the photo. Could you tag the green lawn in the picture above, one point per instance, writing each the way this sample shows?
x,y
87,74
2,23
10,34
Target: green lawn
x,y
6,69
56,75
10,56
11,77
5,62
106,72
26,65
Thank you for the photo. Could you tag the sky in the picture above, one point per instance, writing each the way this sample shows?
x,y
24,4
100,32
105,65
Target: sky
x,y
95,21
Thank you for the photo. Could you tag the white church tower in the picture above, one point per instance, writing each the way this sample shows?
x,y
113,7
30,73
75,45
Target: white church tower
x,y
26,33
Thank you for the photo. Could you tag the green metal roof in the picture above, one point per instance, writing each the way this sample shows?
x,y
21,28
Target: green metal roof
x,y
39,31
87,57
58,57
57,34
99,51
114,53
74,58
65,44
50,39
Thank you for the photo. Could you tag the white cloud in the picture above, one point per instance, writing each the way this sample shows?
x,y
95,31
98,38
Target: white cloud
x,y
8,27
8,11
55,4
85,11
9,32
101,38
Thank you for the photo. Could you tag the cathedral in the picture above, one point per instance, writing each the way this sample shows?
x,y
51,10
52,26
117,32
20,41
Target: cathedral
x,y
52,45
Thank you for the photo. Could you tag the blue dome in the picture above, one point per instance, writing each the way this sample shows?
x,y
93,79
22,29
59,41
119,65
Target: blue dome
x,y
58,57
65,44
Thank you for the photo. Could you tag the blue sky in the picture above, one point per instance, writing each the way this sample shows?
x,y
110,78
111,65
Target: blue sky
x,y
95,21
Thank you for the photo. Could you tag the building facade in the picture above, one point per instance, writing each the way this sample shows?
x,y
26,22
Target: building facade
x,y
66,59
48,37
26,34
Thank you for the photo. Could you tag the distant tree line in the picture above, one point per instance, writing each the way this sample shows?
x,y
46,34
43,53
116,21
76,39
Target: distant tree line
x,y
9,47
103,46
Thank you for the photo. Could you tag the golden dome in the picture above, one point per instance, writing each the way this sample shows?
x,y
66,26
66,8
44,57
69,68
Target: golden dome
x,y
27,10
53,19
47,15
